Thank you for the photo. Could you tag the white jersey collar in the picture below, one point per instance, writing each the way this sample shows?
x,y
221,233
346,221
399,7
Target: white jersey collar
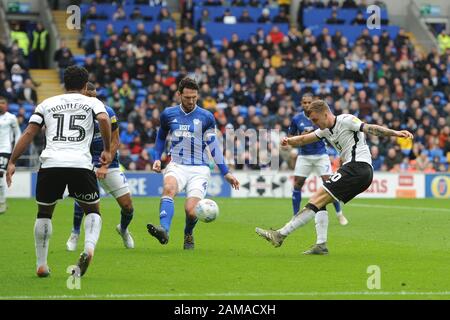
x,y
181,108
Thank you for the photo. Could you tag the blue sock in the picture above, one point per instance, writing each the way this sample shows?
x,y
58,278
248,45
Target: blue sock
x,y
337,206
77,218
125,219
296,200
190,224
166,211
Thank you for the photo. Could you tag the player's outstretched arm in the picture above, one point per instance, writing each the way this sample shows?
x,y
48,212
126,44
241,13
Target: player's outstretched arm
x,y
104,124
385,132
25,140
299,141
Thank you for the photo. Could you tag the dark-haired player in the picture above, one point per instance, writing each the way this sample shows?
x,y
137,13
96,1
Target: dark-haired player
x,y
192,129
66,161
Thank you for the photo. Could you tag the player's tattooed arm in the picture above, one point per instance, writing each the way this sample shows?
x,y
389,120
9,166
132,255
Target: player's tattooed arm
x,y
385,132
300,140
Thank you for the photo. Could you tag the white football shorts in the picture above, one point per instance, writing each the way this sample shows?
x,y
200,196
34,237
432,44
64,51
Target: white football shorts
x,y
314,164
193,179
115,183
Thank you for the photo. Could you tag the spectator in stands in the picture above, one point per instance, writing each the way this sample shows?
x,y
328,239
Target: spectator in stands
x,y
125,159
265,16
349,4
333,4
39,46
334,19
94,44
318,4
281,17
377,159
8,91
164,15
64,58
27,93
276,35
144,161
359,19
211,3
238,3
128,136
444,41
18,76
119,14
187,13
393,158
227,17
92,15
204,18
245,17
21,37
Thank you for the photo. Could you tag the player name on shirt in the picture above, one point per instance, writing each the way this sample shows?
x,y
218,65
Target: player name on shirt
x,y
68,106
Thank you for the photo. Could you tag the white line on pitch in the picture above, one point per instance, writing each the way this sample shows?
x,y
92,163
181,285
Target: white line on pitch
x,y
231,294
398,207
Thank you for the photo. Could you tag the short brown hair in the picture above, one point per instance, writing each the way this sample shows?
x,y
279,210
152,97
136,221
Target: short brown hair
x,y
188,83
317,106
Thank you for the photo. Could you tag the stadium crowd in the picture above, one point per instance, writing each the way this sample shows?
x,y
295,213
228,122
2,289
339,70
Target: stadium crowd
x,y
258,84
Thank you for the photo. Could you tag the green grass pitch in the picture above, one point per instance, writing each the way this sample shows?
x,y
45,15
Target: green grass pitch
x,y
409,240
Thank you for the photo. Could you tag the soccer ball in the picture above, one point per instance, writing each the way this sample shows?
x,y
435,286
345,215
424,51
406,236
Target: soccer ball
x,y
207,210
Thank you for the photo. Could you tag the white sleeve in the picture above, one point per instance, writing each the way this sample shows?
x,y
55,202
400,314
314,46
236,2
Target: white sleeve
x,y
98,107
38,116
16,128
319,133
352,123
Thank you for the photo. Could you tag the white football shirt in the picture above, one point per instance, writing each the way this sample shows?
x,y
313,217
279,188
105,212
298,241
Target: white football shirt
x,y
347,138
9,132
69,129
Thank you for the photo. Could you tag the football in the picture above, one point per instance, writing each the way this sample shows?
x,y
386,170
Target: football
x,y
207,210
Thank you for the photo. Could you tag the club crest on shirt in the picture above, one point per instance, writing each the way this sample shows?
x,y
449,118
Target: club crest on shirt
x,y
196,121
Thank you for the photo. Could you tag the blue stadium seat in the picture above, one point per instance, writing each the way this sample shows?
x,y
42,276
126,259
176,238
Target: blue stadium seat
x,y
13,108
118,26
28,107
315,16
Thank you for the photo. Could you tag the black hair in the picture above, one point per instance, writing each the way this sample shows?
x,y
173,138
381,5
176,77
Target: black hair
x,y
188,83
90,86
75,78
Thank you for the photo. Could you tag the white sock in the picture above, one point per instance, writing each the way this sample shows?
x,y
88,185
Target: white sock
x,y
300,219
42,232
2,190
92,227
321,226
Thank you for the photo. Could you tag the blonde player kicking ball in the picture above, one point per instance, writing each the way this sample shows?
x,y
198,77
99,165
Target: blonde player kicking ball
x,y
111,179
313,158
66,161
9,134
347,134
